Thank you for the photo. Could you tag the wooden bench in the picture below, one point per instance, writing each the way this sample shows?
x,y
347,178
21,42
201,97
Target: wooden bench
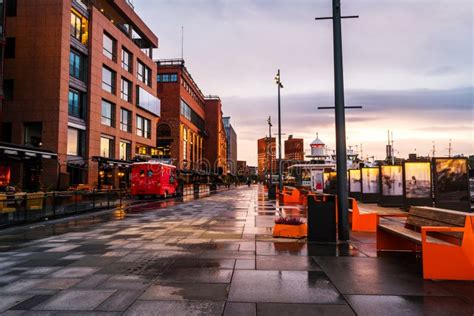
x,y
366,220
448,250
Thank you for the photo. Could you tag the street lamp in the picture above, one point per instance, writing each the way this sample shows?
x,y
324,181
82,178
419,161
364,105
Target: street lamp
x,y
280,85
269,121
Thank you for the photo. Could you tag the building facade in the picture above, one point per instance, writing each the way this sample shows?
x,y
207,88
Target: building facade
x,y
215,150
231,136
267,153
294,148
181,132
80,85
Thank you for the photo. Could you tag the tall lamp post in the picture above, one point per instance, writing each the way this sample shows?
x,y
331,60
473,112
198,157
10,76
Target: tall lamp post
x,y
269,121
280,85
341,155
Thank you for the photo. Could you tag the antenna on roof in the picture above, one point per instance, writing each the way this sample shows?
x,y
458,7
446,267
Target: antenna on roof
x,y
182,42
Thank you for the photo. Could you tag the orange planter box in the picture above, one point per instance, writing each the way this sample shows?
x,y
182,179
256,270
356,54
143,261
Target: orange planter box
x,y
290,231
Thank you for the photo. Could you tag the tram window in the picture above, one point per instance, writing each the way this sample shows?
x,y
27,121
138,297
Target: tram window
x,y
142,173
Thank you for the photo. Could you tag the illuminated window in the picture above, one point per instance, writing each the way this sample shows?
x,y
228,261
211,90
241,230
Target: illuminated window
x,y
107,146
185,144
79,26
125,150
141,150
74,141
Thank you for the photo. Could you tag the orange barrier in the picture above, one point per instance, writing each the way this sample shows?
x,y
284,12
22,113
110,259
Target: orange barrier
x,y
449,262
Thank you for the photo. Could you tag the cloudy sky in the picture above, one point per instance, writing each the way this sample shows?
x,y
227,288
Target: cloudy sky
x,y
408,62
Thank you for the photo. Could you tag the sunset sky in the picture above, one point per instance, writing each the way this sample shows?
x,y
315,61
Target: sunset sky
x,y
409,63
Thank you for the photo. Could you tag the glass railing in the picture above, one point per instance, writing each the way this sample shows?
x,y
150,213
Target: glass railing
x,y
147,101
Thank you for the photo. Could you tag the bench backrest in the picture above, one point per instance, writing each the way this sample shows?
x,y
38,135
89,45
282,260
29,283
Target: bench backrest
x,y
419,216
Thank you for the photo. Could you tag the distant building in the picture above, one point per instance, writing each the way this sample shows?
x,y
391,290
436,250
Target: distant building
x,y
215,150
231,137
181,132
294,148
242,169
253,171
267,152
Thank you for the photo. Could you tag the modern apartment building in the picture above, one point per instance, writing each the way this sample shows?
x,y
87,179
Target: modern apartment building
x,y
215,150
81,85
231,137
181,132
294,148
266,152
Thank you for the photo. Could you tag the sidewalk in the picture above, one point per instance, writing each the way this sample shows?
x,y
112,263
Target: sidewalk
x,y
215,256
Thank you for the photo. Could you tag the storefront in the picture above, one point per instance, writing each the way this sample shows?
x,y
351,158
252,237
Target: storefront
x,y
22,166
113,173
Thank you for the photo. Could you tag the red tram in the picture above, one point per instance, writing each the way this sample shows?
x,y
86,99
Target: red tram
x,y
153,178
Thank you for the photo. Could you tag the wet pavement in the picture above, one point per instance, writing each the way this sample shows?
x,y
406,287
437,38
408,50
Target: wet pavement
x,y
210,256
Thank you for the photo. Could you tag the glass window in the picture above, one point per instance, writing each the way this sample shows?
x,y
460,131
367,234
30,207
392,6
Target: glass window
x,y
108,110
143,127
74,142
185,144
109,47
126,60
143,73
125,150
126,90
76,103
125,120
148,101
77,65
174,78
106,147
79,26
165,78
108,80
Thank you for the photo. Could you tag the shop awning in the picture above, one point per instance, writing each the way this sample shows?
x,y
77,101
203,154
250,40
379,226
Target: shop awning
x,y
26,152
112,162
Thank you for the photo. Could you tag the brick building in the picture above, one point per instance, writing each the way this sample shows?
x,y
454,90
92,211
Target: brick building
x,y
80,85
294,148
231,136
181,131
265,147
215,150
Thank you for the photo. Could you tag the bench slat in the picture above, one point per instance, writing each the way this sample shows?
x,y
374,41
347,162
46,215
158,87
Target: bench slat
x,y
410,234
439,215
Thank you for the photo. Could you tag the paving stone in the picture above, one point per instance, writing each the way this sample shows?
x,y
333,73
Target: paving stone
x,y
245,264
281,248
194,308
8,301
240,309
186,291
76,272
93,281
119,301
20,286
204,275
283,287
289,263
203,263
384,276
56,284
408,305
76,300
270,309
31,302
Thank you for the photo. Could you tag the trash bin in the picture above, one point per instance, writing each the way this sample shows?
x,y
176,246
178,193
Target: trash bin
x,y
272,191
322,218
